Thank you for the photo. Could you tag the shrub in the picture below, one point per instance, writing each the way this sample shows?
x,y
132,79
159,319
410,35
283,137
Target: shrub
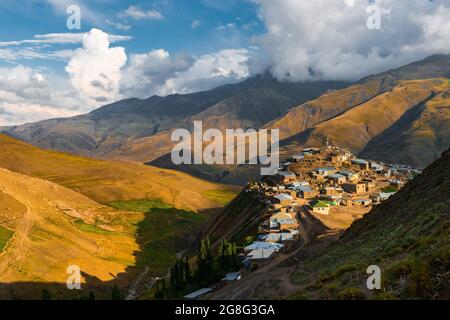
x,y
351,294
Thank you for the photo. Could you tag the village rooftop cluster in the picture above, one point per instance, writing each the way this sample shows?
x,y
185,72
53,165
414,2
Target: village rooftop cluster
x,y
320,182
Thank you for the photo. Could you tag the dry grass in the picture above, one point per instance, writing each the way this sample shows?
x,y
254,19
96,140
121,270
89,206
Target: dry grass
x,y
357,126
106,181
47,238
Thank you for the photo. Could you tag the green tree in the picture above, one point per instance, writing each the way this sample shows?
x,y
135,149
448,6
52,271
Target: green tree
x,y
116,293
187,269
46,295
161,289
234,261
205,261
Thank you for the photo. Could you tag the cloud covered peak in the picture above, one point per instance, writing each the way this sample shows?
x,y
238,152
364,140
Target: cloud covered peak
x,y
340,39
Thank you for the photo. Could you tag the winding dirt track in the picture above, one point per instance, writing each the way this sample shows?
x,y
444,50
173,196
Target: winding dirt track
x,y
18,246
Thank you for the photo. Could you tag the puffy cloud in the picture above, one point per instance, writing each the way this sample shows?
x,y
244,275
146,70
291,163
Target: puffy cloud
x,y
28,95
212,70
329,39
94,70
147,73
157,72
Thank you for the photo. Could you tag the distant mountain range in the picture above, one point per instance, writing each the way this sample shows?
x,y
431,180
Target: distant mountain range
x,y
131,129
402,115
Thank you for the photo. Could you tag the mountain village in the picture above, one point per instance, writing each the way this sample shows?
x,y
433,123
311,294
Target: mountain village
x,y
329,183
326,183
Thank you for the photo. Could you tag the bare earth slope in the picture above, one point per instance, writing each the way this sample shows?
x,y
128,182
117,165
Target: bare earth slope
x,y
48,236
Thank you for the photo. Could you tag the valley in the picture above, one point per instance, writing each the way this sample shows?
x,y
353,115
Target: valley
x,y
100,191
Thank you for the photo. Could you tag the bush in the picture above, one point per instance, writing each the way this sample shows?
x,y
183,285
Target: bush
x,y
351,294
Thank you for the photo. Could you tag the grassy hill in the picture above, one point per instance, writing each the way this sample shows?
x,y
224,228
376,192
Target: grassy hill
x,y
418,136
106,181
358,126
119,221
51,227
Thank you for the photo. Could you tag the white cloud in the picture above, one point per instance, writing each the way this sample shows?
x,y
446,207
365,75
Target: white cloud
x,y
94,70
329,39
147,73
157,72
136,13
60,38
118,25
226,26
195,24
28,95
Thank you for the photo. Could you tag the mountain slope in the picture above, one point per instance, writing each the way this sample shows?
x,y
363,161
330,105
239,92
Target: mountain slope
x,y
417,137
332,104
372,113
358,126
49,224
125,129
106,181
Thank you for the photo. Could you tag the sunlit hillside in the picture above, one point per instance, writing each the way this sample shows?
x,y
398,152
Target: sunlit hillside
x,y
106,181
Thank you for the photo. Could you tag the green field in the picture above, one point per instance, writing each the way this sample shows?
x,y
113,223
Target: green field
x,y
162,232
92,228
5,235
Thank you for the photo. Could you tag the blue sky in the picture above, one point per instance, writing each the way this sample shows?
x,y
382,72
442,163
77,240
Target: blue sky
x,y
194,26
134,48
